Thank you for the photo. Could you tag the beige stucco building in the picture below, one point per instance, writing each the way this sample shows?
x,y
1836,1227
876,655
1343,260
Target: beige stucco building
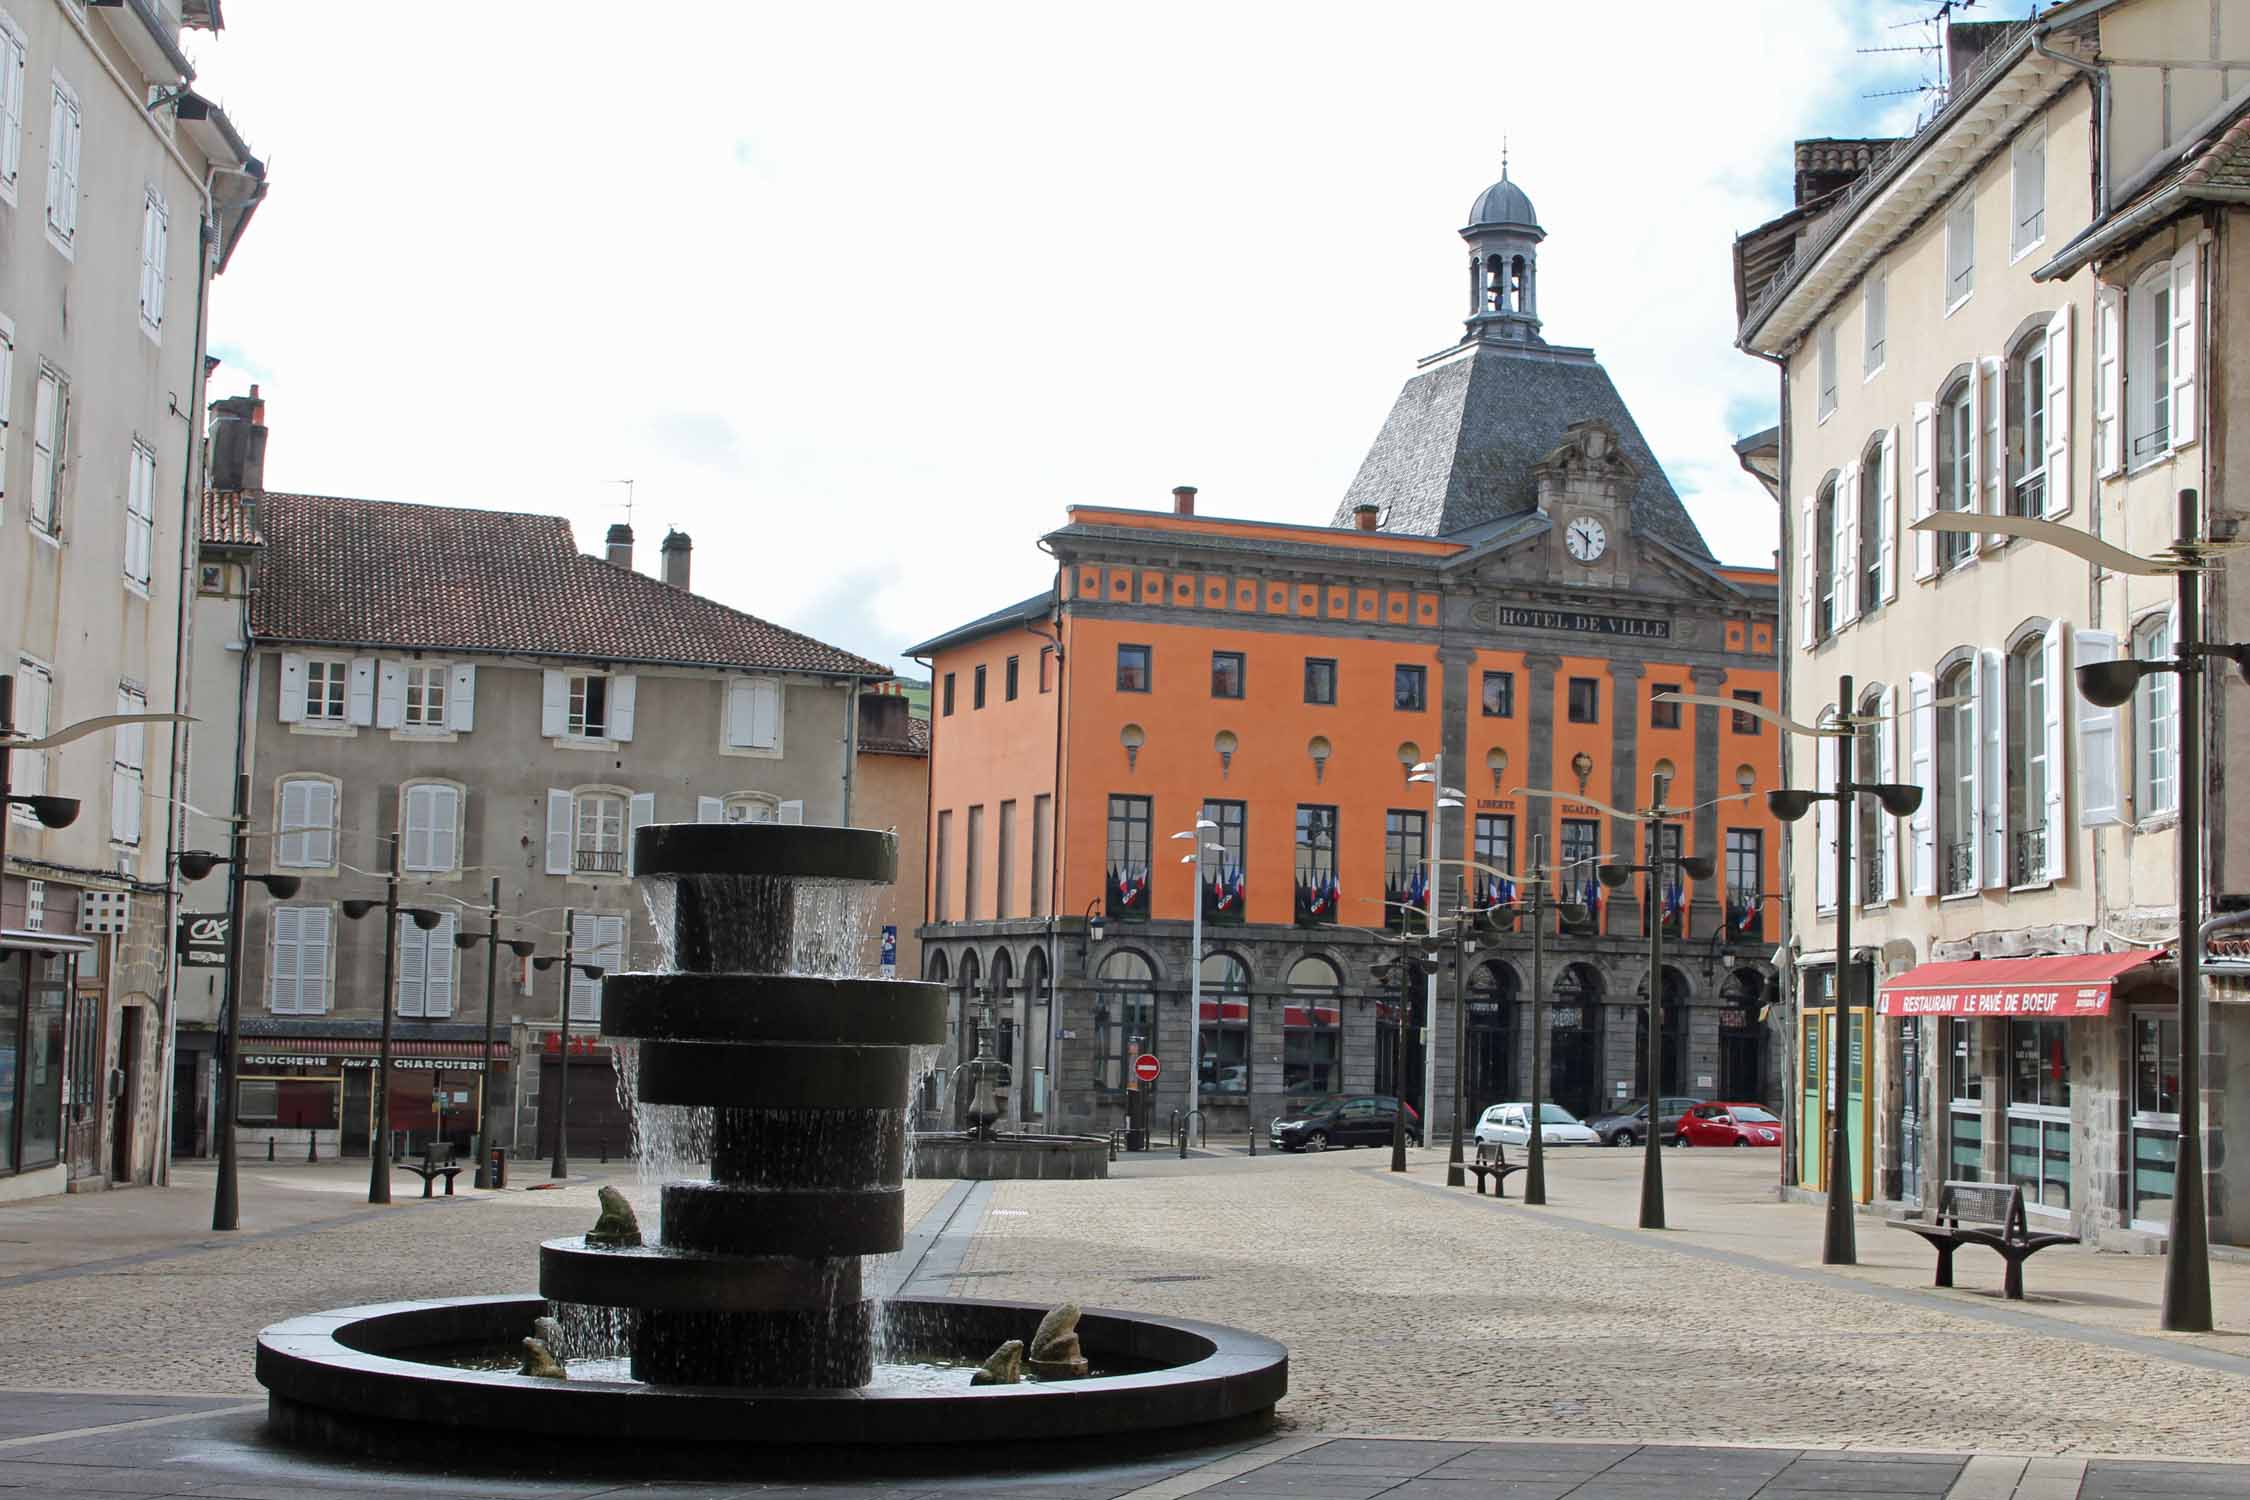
x,y
1988,316
122,191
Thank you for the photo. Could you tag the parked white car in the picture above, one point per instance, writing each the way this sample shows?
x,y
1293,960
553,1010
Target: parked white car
x,y
1505,1123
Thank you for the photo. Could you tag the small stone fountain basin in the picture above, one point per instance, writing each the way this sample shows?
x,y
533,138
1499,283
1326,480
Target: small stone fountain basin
x,y
1002,1157
352,1379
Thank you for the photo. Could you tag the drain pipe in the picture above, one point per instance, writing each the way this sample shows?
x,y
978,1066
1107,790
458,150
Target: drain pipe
x,y
2098,80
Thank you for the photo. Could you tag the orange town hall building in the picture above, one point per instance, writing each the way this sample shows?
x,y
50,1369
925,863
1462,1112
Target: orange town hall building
x,y
1505,586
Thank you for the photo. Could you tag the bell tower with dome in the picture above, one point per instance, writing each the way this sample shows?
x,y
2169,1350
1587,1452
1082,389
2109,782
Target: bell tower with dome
x,y
1503,236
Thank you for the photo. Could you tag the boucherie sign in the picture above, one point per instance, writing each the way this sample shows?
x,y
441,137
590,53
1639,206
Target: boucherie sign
x,y
2058,987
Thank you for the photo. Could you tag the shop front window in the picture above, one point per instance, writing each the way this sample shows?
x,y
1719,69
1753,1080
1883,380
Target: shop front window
x,y
1222,1056
1124,1016
2039,1112
2156,1117
1964,1139
1312,1031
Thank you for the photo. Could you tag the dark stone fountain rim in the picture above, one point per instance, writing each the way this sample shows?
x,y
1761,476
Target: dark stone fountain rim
x,y
802,852
330,1382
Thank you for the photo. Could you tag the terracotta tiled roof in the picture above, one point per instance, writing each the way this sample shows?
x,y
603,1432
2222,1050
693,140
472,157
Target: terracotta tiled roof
x,y
226,521
2225,163
431,577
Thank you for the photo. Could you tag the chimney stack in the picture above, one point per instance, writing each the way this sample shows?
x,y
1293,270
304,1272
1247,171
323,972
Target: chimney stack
x,y
677,549
1363,516
1183,500
237,458
618,548
883,714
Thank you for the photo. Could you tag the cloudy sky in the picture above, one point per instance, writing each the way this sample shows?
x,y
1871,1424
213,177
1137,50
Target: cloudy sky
x,y
862,296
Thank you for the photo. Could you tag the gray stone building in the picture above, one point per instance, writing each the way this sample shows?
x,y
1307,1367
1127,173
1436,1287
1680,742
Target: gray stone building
x,y
469,688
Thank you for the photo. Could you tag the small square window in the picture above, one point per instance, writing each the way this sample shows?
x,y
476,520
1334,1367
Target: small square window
x,y
1745,723
425,696
324,689
1320,680
976,688
589,706
1499,695
1410,687
1014,676
1585,701
1663,715
1226,674
1132,669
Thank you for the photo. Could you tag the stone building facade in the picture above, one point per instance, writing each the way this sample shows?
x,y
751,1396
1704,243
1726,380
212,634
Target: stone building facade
x,y
1508,583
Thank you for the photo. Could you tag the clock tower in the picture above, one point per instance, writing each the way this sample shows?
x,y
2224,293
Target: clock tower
x,y
1584,485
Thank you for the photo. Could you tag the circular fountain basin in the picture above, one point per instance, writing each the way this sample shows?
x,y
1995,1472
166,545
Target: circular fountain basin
x,y
363,1378
1010,1158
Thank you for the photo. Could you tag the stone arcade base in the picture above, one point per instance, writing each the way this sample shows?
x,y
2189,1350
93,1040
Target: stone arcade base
x,y
1073,1158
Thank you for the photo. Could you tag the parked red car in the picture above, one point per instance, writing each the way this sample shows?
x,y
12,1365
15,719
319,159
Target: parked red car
x,y
1730,1125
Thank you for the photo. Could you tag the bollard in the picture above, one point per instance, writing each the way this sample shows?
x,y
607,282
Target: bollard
x,y
312,1145
269,1148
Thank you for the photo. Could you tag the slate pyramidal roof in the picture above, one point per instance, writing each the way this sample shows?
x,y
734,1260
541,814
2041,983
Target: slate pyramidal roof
x,y
1460,444
386,574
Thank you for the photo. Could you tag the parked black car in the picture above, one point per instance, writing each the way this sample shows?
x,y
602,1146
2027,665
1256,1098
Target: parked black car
x,y
1344,1120
1628,1124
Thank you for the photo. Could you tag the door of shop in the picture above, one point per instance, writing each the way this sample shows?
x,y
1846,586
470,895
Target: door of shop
x,y
126,1108
1812,1154
598,1125
82,1071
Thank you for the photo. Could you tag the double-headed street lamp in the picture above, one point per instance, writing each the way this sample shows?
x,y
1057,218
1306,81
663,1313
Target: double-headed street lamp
x,y
1616,875
560,1167
2187,1263
493,942
426,919
195,864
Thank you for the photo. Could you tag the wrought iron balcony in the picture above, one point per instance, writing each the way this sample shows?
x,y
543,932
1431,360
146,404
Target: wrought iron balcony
x,y
598,861
1960,867
2027,856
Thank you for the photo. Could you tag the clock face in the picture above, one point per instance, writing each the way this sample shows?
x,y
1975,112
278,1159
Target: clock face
x,y
1586,538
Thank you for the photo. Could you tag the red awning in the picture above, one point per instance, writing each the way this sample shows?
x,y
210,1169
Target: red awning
x,y
2076,984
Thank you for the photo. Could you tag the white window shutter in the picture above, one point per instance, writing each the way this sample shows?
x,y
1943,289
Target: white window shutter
x,y
359,698
1886,770
416,815
390,695
445,827
1847,546
2058,414
57,157
1925,487
2109,383
2053,662
292,704
1922,772
461,699
1886,512
2184,326
1824,824
413,966
558,831
736,713
1808,571
437,972
710,810
1991,800
554,705
320,805
639,812
621,695
792,812
316,958
766,697
290,847
282,986
1995,445
2099,802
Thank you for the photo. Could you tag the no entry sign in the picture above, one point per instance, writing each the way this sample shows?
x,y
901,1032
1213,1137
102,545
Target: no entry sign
x,y
1146,1067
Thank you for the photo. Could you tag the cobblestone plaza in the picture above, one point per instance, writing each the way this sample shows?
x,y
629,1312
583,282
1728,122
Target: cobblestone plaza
x,y
1434,1335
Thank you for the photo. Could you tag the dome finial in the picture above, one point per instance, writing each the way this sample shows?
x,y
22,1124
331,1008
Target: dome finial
x,y
1503,158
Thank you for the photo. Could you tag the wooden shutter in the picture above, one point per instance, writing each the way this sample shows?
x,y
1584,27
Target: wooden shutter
x,y
2053,664
639,813
1846,544
128,755
416,815
2099,802
282,987
1886,769
71,133
320,813
445,826
1988,800
413,966
621,695
766,696
46,401
2185,417
1922,772
2109,383
12,59
1824,823
461,699
1925,488
57,158
2058,415
292,706
558,831
1808,571
710,810
359,698
554,705
390,695
437,972
791,812
1985,442
316,954
737,713
1886,512
290,847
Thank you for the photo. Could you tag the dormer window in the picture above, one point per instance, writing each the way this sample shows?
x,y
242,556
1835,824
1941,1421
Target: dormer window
x,y
589,706
325,679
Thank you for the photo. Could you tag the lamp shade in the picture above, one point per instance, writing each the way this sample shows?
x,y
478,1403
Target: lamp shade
x,y
1094,927
53,812
1898,799
1697,867
281,887
195,864
1790,805
467,939
523,948
357,907
1614,876
425,920
2106,684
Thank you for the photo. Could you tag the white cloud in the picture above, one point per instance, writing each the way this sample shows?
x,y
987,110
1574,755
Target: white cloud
x,y
873,292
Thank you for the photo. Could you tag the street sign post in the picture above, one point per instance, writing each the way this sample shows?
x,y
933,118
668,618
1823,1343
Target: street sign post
x,y
1146,1067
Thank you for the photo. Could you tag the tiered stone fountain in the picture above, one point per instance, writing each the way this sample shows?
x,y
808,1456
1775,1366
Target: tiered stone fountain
x,y
748,1317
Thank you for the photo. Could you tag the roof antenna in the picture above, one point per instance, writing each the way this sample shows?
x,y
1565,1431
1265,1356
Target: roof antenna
x,y
628,498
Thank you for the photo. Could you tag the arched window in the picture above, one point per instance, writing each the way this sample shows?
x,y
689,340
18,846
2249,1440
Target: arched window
x,y
1312,1030
1825,561
1490,1071
1038,1032
1956,466
429,815
1674,1011
2156,742
2030,703
1874,522
1495,284
2027,424
1957,778
1222,1057
2148,366
305,822
1001,987
1574,1040
1124,1015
